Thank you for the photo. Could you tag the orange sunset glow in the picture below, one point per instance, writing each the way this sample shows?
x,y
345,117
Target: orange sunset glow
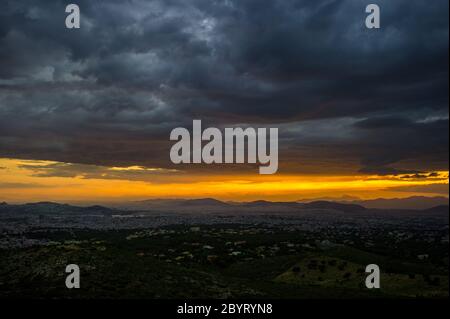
x,y
22,181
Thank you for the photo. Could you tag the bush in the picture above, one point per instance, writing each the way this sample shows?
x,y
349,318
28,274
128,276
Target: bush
x,y
332,262
435,281
347,275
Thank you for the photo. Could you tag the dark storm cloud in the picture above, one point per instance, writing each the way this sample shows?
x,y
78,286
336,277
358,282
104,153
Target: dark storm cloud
x,y
384,170
110,92
391,140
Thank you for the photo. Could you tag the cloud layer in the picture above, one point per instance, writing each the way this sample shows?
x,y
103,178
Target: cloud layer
x,y
344,97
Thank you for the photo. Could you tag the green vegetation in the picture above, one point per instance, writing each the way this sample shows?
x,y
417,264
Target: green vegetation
x,y
331,273
207,262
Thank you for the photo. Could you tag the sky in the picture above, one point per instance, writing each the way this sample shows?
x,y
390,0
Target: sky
x,y
86,114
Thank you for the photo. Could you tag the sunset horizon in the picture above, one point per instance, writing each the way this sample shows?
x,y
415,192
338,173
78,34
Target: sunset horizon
x,y
57,181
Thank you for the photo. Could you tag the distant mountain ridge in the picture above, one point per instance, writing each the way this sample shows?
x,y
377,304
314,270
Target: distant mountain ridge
x,y
414,202
54,208
216,206
335,206
210,205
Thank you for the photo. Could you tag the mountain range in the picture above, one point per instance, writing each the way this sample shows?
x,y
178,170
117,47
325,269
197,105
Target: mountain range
x,y
429,206
415,202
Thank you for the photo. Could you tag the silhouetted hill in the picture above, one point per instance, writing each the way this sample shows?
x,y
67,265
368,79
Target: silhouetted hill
x,y
205,202
54,208
274,205
176,204
415,202
210,205
350,208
